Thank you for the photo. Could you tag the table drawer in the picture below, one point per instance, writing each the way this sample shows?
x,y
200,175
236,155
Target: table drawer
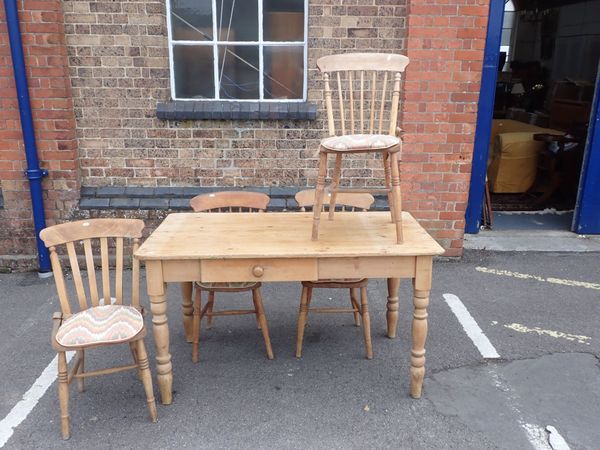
x,y
259,269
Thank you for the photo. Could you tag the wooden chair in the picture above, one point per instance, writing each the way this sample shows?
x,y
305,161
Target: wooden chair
x,y
351,202
228,201
103,320
362,85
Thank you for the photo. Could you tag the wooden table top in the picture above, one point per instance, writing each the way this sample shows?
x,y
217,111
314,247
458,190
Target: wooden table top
x,y
283,235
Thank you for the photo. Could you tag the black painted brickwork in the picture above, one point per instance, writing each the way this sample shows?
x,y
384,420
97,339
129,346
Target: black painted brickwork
x,y
178,198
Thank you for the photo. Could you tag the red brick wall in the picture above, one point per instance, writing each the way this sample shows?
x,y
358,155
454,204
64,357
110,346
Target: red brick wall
x,y
117,70
46,60
445,46
119,64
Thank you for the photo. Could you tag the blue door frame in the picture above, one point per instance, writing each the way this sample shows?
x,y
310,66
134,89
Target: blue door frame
x,y
485,112
586,219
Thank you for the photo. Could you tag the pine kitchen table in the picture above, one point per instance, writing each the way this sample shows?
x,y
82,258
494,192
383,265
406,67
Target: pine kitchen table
x,y
188,247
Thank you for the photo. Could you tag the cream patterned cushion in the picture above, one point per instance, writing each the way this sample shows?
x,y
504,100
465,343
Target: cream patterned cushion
x,y
108,324
228,285
360,142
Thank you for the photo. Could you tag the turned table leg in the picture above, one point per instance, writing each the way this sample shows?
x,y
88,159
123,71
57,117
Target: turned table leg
x,y
158,306
187,308
392,306
422,286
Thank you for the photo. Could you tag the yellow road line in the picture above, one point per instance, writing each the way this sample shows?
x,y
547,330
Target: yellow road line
x,y
555,334
526,276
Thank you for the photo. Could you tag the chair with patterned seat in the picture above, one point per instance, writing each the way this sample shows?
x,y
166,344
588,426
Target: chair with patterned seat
x,y
346,202
362,85
228,201
103,320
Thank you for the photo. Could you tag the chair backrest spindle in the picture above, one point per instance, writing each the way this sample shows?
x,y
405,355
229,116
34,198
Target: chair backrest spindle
x,y
369,66
119,271
105,268
395,104
373,92
342,115
362,100
91,271
351,85
76,275
382,106
330,122
63,295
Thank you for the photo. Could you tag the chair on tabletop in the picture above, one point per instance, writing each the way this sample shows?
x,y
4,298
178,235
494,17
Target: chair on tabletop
x,y
347,202
228,201
96,320
362,117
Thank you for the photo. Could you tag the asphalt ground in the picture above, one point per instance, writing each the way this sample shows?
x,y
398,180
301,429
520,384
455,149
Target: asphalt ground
x,y
545,331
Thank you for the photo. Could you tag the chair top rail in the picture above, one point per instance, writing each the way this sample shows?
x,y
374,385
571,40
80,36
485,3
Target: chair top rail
x,y
90,229
230,199
363,61
362,200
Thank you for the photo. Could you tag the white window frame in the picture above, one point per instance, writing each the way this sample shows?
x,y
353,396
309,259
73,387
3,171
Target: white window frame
x,y
260,43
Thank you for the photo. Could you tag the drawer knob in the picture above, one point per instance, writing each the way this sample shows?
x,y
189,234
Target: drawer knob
x,y
258,271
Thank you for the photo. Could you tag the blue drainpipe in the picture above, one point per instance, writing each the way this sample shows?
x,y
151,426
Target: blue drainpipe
x,y
33,173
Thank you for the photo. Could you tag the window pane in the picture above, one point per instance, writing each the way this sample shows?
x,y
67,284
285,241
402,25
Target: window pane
x,y
284,72
505,36
509,18
193,69
283,20
191,20
237,20
238,71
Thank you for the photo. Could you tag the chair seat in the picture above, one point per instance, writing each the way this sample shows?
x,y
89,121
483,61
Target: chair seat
x,y
232,285
360,142
110,324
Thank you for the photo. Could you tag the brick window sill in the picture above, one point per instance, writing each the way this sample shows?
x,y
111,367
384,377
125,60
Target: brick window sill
x,y
216,110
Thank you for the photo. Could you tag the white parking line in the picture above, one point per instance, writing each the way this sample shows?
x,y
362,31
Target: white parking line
x,y
557,442
536,435
480,340
22,409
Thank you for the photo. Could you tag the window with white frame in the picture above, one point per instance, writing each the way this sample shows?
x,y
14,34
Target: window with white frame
x,y
240,50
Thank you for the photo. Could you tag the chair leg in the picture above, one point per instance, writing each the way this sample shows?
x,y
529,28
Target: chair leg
x,y
337,172
388,182
366,321
396,197
63,394
302,316
196,321
319,192
144,369
308,300
256,315
187,309
263,321
80,382
133,349
355,305
211,303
